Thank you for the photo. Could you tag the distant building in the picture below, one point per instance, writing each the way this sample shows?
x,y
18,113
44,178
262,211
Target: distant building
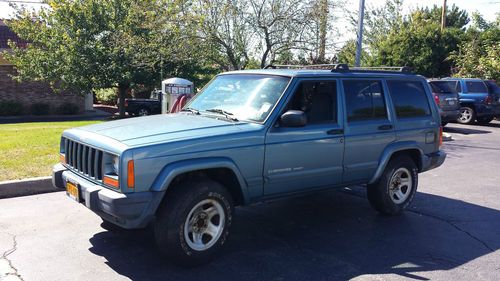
x,y
28,93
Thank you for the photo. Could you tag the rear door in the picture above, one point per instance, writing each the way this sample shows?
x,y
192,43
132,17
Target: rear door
x,y
368,127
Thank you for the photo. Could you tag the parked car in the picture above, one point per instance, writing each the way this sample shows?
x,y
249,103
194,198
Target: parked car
x,y
446,97
143,107
476,104
494,90
250,136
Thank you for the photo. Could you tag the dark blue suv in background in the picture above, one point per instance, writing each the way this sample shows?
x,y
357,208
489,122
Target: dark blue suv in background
x,y
476,103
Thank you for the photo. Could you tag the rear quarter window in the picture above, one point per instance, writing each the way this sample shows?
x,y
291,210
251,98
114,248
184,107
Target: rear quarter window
x,y
409,98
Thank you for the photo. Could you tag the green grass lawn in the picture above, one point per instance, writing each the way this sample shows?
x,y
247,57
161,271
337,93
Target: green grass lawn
x,y
31,149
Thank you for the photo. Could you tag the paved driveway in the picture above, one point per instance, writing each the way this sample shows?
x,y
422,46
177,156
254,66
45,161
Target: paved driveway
x,y
451,232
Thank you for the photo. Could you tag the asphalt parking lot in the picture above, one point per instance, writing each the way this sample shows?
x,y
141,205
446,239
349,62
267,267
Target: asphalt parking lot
x,y
450,232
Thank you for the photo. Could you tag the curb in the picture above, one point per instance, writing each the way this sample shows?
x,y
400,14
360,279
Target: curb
x,y
25,187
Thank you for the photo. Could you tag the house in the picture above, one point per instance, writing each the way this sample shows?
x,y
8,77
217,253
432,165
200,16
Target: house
x,y
29,93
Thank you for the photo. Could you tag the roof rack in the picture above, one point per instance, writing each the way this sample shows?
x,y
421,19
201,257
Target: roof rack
x,y
332,67
343,67
404,69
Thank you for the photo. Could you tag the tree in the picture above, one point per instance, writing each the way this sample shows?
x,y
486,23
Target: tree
x,y
479,54
95,44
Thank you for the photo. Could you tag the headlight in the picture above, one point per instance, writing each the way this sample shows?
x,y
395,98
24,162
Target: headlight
x,y
115,161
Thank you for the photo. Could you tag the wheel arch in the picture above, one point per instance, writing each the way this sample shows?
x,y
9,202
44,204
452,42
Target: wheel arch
x,y
401,148
222,170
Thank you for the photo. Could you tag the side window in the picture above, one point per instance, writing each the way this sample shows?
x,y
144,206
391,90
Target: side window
x,y
364,100
409,98
459,87
318,99
476,87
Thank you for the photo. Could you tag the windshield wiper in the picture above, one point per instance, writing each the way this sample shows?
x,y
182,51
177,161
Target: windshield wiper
x,y
192,110
226,114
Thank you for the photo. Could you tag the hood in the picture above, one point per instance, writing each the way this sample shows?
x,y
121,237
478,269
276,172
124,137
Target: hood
x,y
166,127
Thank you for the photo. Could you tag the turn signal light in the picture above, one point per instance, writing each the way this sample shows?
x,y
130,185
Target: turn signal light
x,y
488,100
436,99
62,158
440,136
111,181
130,174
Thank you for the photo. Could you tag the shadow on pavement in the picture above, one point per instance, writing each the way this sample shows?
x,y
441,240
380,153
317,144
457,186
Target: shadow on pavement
x,y
464,131
326,236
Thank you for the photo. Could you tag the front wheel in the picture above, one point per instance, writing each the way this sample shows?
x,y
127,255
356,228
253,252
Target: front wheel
x,y
395,189
194,222
467,115
143,111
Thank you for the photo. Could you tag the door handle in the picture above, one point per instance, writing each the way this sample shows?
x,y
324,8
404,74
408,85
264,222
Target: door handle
x,y
385,127
335,132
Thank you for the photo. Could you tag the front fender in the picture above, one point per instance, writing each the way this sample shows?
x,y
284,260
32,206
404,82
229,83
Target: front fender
x,y
387,154
170,171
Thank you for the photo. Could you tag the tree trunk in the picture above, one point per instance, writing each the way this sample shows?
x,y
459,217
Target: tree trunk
x,y
122,93
323,24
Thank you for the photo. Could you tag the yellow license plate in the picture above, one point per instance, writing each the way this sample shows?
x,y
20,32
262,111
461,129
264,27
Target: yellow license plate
x,y
72,191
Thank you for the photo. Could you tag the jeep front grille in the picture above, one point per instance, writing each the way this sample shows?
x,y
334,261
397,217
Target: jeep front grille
x,y
84,159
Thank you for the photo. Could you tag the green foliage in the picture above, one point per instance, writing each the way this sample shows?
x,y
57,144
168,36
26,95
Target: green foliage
x,y
479,54
94,44
11,108
106,96
347,54
67,109
40,108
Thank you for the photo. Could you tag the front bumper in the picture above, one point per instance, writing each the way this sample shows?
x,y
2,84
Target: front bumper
x,y
432,160
132,210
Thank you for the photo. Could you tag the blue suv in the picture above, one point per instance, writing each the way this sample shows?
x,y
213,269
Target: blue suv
x,y
250,136
476,103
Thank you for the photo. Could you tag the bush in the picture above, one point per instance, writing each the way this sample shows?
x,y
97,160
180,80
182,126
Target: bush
x,y
40,108
67,109
10,108
106,96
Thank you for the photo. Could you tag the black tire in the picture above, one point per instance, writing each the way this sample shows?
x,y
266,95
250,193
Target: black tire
x,y
172,219
467,115
444,123
380,193
484,120
143,111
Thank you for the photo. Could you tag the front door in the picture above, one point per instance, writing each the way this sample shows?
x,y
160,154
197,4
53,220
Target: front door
x,y
311,156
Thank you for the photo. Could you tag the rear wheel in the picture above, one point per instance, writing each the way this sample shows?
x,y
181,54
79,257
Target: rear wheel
x,y
467,115
194,222
395,189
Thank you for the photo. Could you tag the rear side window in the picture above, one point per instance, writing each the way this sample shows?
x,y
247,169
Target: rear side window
x,y
409,98
439,87
476,87
364,100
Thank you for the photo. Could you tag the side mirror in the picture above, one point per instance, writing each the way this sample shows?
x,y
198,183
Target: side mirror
x,y
293,118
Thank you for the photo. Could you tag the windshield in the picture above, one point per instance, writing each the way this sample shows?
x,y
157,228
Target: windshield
x,y
443,86
245,97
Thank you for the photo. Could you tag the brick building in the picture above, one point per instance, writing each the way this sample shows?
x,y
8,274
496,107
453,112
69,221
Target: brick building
x,y
28,93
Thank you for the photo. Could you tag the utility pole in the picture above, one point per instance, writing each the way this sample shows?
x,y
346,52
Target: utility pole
x,y
443,16
359,42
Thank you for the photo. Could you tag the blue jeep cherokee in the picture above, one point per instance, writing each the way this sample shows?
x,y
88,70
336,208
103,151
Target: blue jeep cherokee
x,y
250,136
